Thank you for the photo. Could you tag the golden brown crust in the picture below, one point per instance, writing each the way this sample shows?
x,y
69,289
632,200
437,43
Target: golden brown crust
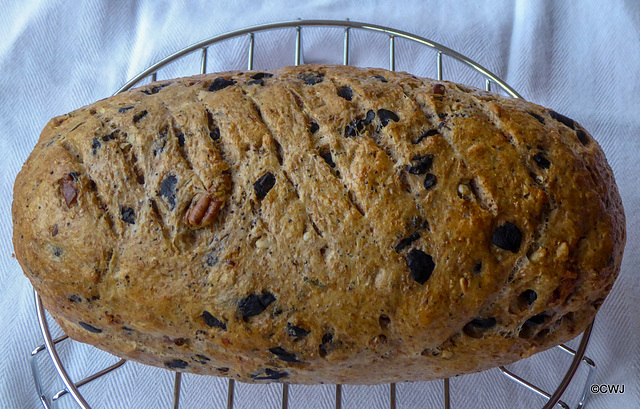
x,y
318,224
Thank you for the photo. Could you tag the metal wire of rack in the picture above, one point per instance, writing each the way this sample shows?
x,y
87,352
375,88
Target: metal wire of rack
x,y
50,344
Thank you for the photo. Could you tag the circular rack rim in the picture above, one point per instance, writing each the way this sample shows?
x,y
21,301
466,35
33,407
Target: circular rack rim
x,y
302,23
151,71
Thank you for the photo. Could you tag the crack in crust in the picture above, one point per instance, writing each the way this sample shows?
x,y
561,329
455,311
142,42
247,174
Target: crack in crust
x,y
336,171
93,187
549,203
280,158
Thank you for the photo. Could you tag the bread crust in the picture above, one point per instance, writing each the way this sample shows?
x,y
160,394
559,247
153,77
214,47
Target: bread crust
x,y
318,224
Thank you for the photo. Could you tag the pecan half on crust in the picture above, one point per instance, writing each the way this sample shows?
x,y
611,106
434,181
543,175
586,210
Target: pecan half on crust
x,y
203,210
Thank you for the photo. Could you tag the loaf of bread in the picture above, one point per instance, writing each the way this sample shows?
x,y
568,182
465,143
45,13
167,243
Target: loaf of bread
x,y
318,224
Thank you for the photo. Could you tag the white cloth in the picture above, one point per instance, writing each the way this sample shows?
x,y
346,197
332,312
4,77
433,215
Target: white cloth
x,y
581,60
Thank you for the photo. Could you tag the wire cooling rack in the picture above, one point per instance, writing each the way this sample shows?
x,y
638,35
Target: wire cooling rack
x,y
72,387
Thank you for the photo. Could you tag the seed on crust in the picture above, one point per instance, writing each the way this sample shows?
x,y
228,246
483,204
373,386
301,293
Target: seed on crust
x,y
69,190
